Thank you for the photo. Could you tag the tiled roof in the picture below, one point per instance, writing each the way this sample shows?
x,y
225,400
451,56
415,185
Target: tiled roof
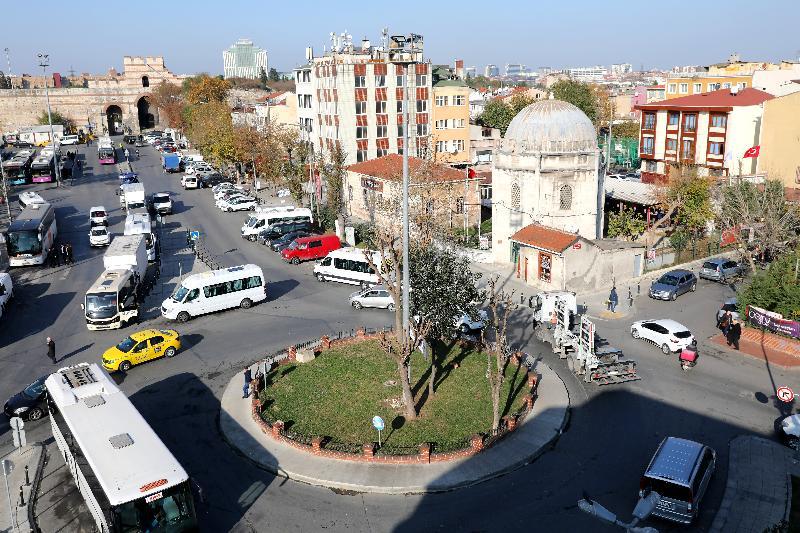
x,y
390,167
545,238
721,98
270,96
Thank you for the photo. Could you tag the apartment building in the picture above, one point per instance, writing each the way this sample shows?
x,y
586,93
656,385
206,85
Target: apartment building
x,y
780,129
450,118
679,86
712,130
588,74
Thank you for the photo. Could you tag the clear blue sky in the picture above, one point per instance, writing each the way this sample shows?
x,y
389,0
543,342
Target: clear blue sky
x,y
93,35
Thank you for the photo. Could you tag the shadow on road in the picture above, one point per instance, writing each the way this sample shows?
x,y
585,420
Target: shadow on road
x,y
277,289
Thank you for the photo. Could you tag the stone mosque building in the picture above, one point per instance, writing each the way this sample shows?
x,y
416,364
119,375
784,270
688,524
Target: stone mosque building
x,y
547,203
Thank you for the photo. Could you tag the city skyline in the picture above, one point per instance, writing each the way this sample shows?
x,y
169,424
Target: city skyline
x,y
285,32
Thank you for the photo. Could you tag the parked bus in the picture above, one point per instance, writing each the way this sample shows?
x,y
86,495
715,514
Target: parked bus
x,y
105,151
128,478
31,235
18,168
42,167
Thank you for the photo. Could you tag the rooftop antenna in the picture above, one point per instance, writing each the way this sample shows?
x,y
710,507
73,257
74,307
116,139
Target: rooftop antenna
x,y
385,39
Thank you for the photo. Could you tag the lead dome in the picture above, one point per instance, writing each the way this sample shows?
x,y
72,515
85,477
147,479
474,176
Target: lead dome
x,y
550,126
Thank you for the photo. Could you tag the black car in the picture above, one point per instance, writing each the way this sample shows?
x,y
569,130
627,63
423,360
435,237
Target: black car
x,y
129,139
30,403
211,179
279,229
285,240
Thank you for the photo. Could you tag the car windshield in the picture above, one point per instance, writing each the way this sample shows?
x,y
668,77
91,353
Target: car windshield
x,y
98,231
667,279
710,266
35,389
683,334
126,345
98,214
180,293
292,246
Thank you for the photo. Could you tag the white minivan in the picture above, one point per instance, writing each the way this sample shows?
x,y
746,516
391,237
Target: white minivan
x,y
6,291
348,265
217,290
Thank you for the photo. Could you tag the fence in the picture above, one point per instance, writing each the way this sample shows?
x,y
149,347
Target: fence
x,y
668,255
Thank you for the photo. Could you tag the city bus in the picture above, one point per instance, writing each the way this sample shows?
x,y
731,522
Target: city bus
x,y
43,168
18,168
105,151
31,235
128,478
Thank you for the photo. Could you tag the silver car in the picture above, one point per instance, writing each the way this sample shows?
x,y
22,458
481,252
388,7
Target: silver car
x,y
372,297
720,269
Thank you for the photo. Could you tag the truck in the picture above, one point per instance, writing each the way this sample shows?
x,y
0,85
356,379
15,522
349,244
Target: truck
x,y
138,223
112,301
587,356
40,135
171,162
132,196
544,305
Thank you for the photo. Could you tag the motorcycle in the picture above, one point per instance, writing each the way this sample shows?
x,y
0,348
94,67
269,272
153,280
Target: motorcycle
x,y
688,357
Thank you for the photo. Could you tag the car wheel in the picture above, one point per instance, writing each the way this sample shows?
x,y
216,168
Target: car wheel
x,y
295,261
125,366
665,349
35,414
694,287
357,304
673,296
463,328
320,278
247,303
183,316
170,352
793,443
390,307
252,238
635,334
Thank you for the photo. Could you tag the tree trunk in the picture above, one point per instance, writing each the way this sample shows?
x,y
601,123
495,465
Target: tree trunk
x,y
495,406
408,398
433,371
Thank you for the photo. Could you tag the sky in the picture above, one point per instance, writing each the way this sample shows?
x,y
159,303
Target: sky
x,y
93,35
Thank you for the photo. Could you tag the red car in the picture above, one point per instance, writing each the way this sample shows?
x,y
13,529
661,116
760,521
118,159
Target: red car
x,y
310,248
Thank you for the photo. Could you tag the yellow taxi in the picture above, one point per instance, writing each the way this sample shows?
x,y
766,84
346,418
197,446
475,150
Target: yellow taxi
x,y
141,347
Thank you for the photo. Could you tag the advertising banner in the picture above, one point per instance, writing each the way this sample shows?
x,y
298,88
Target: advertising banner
x,y
768,320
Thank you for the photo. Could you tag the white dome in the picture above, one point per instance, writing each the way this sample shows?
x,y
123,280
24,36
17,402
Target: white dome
x,y
550,126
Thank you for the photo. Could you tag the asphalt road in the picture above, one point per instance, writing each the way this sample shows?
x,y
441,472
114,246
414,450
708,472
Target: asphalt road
x,y
613,431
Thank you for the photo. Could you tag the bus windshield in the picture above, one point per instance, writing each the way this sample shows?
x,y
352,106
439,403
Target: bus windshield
x,y
24,242
101,305
170,510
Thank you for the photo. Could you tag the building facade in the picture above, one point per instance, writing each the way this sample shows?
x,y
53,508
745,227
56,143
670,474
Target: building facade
x,y
450,121
679,86
244,60
491,71
655,93
588,74
779,156
712,131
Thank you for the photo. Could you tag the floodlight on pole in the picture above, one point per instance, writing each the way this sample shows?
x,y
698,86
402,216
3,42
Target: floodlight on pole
x,y
44,62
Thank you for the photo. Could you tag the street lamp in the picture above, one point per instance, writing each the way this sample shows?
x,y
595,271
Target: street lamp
x,y
44,62
644,507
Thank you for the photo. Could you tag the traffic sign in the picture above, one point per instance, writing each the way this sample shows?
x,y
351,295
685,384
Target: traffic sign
x,y
785,394
377,423
194,235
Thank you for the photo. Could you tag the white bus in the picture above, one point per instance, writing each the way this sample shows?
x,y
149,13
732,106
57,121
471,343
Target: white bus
x,y
128,478
139,224
31,235
348,265
263,217
216,290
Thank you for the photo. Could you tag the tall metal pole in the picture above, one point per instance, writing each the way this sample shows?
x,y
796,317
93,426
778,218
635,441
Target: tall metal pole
x,y
44,62
8,60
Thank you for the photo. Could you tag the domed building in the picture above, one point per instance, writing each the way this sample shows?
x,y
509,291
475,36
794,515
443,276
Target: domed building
x,y
545,173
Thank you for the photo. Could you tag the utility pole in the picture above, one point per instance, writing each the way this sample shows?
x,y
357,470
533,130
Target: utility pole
x,y
8,207
8,60
44,62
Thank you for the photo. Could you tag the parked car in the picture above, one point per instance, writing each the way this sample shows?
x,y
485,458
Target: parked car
x,y
6,291
190,182
211,179
467,324
141,347
310,248
672,284
667,334
790,431
720,269
239,203
285,240
129,139
161,203
274,231
376,296
732,305
98,215
225,189
99,235
30,403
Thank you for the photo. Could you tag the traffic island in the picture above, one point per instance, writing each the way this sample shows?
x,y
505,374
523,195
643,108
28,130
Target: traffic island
x,y
312,422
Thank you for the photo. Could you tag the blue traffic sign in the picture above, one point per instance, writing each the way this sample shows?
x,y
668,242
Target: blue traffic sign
x,y
194,235
377,423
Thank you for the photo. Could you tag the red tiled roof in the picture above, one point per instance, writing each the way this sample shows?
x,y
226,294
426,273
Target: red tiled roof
x,y
545,238
390,167
721,98
270,96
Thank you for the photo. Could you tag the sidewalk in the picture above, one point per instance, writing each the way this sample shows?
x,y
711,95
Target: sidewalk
x,y
537,433
758,492
765,346
32,457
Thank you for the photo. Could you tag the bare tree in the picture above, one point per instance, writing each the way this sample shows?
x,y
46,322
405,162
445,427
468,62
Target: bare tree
x,y
501,305
685,195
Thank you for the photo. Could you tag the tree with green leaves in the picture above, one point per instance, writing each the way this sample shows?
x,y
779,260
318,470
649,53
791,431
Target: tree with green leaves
x,y
263,78
274,75
497,114
626,129
578,94
333,173
777,288
204,89
684,199
57,118
519,102
625,223
679,240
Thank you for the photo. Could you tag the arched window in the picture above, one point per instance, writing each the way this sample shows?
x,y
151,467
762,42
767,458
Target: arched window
x,y
145,81
565,197
515,196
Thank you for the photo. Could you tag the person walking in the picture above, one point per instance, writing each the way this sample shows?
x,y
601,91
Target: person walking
x,y
724,323
248,377
734,334
613,299
52,257
63,252
51,350
127,154
69,254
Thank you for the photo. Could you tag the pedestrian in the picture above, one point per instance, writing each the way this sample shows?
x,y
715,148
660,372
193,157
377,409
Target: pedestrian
x,y
248,377
127,153
137,153
63,253
52,257
724,322
69,254
734,334
51,350
613,299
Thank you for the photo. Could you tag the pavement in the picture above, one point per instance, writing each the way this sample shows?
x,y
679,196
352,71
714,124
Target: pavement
x,y
766,346
30,456
537,434
759,488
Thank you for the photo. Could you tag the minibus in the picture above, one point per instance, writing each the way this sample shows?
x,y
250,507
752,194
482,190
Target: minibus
x,y
348,265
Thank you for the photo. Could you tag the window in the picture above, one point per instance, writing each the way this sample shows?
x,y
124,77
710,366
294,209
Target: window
x,y
458,145
515,196
429,206
401,81
364,198
459,99
361,81
684,88
672,145
422,106
697,88
382,131
651,166
350,193
460,205
545,266
690,123
726,85
716,148
486,132
565,197
361,132
380,107
688,149
741,85
441,124
361,108
315,244
441,101
399,130
382,152
422,130
714,86
673,118
719,121
441,146
380,81
673,87
458,123
361,155
648,145
145,81
649,121
422,79
399,106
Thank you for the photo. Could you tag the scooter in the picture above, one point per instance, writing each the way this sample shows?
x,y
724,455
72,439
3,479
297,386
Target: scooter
x,y
688,357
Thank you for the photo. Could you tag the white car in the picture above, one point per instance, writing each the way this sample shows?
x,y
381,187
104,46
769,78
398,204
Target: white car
x,y
199,167
376,296
68,139
667,334
467,324
235,190
99,235
98,215
162,203
227,197
239,203
190,182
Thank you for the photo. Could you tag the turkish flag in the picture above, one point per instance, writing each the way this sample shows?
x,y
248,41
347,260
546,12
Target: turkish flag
x,y
752,152
471,173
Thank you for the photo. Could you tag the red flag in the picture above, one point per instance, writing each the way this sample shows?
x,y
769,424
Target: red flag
x,y
753,152
471,173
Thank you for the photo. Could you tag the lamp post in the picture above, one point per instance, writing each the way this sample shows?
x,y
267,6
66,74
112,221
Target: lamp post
x,y
44,62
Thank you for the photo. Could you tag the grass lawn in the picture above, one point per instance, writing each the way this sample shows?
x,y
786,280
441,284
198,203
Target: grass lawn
x,y
337,394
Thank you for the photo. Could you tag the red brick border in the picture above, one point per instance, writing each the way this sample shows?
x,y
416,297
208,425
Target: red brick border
x,y
767,346
424,455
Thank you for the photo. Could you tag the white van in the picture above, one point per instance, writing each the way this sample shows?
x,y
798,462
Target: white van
x,y
29,197
190,182
6,291
139,224
217,290
348,265
69,139
266,216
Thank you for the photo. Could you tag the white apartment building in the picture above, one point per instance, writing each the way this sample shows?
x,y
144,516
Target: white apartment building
x,y
353,97
596,73
244,60
618,69
491,71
